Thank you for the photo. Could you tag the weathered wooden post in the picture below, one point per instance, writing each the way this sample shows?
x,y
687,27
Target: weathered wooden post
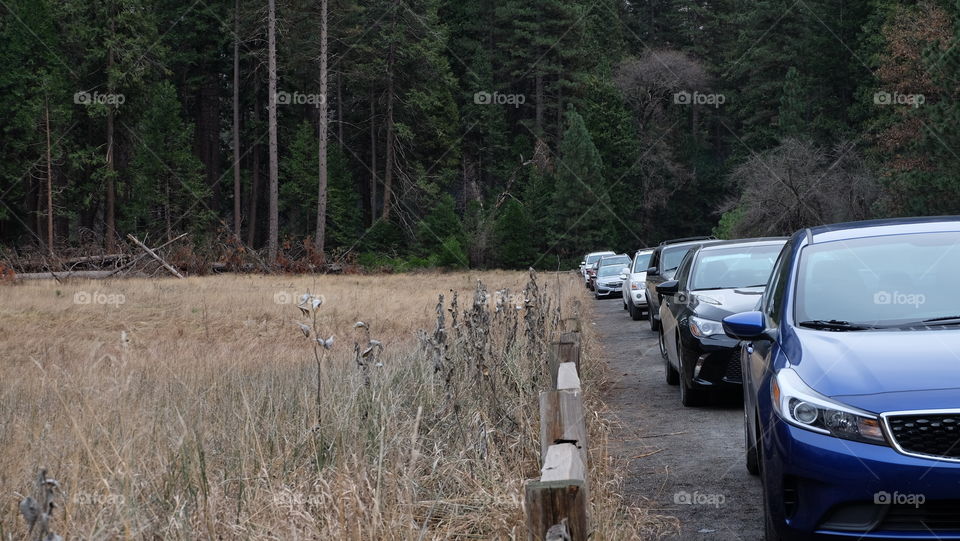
x,y
559,498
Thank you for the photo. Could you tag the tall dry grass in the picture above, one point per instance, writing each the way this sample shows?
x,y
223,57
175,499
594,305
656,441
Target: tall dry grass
x,y
187,409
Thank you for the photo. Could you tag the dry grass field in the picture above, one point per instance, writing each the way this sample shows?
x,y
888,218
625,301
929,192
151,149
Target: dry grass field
x,y
187,409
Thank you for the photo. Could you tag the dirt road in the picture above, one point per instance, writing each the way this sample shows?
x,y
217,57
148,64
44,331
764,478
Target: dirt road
x,y
691,463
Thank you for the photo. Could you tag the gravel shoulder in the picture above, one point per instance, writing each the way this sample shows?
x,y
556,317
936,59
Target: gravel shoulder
x,y
683,462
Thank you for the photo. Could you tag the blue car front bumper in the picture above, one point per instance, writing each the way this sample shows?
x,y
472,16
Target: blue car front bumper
x,y
821,486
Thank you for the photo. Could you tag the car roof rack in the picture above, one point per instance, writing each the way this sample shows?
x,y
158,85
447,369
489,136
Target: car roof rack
x,y
687,239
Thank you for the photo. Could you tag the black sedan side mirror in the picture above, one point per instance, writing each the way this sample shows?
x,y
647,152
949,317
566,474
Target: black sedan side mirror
x,y
668,288
652,271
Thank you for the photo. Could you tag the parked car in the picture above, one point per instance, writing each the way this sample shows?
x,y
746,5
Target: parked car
x,y
852,382
588,261
608,281
621,260
663,265
635,285
712,282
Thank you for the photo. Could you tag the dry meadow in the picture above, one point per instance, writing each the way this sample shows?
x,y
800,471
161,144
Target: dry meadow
x,y
187,409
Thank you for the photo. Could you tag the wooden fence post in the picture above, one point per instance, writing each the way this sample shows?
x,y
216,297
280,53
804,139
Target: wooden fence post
x,y
559,497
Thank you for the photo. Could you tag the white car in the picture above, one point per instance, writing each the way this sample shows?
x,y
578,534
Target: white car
x,y
635,285
588,261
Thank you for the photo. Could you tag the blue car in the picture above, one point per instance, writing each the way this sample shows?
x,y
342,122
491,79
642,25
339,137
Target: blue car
x,y
851,377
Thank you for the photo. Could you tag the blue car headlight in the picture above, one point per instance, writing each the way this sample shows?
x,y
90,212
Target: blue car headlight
x,y
702,328
801,406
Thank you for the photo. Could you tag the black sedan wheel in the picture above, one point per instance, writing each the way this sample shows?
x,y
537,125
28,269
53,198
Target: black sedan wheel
x,y
672,376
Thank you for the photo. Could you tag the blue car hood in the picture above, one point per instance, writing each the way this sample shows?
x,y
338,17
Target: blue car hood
x,y
880,370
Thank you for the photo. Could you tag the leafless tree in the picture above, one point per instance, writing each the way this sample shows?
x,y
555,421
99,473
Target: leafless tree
x,y
274,232
797,185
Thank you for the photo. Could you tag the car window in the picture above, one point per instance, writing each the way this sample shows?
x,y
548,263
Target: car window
x,y
623,261
773,296
641,262
683,271
887,280
591,259
733,267
609,270
672,256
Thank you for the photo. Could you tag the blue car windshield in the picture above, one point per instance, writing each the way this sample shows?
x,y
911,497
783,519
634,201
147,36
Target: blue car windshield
x,y
880,281
734,267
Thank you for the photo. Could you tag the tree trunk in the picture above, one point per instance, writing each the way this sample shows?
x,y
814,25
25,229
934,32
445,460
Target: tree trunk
x,y
321,233
236,118
538,126
255,173
273,241
390,150
110,217
340,107
46,108
373,159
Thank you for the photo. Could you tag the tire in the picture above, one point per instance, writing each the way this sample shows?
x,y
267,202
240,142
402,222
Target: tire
x,y
770,531
671,375
753,456
689,397
654,324
596,294
635,313
625,305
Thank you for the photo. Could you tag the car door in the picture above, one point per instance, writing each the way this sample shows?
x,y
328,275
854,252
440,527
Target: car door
x,y
758,355
653,280
672,307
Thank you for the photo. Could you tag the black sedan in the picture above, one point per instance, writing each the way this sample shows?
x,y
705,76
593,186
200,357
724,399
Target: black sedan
x,y
712,282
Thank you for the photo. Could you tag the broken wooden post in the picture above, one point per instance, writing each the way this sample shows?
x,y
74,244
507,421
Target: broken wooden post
x,y
565,350
559,497
567,377
562,421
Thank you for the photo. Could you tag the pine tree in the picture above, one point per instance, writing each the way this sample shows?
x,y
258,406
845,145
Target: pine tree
x,y
512,241
581,204
166,180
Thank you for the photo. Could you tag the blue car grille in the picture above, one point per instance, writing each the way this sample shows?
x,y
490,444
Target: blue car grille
x,y
935,516
935,435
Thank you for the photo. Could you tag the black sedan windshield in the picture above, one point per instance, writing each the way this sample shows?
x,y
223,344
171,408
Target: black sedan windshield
x,y
891,280
737,266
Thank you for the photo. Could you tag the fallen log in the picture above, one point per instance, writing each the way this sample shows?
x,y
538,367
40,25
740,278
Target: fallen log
x,y
92,275
155,256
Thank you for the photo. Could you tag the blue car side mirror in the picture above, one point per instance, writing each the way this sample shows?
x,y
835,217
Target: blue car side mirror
x,y
745,325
